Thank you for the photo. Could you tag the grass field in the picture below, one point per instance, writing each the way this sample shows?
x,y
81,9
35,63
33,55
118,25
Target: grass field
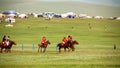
x,y
96,38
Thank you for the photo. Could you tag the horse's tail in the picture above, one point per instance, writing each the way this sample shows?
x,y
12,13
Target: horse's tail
x,y
39,45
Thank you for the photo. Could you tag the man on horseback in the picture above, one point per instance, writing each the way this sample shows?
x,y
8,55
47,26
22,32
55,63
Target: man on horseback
x,y
70,40
5,40
43,40
64,40
8,40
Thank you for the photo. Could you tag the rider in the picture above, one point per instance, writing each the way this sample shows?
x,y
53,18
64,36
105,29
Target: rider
x,y
64,40
43,40
8,40
70,40
4,39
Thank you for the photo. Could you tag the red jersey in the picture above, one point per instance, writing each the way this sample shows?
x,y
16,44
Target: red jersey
x,y
43,40
69,38
64,39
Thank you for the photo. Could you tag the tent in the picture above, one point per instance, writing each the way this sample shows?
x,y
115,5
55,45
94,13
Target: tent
x,y
48,14
37,15
118,18
2,16
64,15
10,12
23,16
88,16
98,17
68,15
10,20
82,15
71,16
12,15
57,16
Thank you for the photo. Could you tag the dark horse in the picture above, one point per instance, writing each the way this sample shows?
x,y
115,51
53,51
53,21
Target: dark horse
x,y
40,46
67,46
7,48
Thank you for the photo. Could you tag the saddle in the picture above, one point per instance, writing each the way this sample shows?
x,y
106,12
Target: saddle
x,y
42,44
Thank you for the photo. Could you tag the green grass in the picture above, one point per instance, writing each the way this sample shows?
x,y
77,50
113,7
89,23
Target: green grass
x,y
95,49
85,58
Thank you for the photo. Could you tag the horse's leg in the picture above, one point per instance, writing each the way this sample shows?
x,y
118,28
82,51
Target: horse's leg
x,y
69,49
44,50
38,49
59,49
64,49
1,49
6,50
9,50
41,49
73,49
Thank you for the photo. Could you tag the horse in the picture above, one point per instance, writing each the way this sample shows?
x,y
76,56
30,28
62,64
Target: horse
x,y
7,48
40,46
72,45
67,46
59,46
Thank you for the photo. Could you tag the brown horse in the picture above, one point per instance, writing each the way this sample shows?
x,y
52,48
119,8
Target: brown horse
x,y
62,46
40,46
7,48
67,46
73,43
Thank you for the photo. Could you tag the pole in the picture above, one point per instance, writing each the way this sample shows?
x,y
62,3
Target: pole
x,y
33,47
22,46
56,47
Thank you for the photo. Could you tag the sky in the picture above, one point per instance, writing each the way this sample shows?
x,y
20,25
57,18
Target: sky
x,y
99,2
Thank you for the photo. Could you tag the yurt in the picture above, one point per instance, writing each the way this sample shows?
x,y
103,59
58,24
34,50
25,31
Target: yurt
x,y
12,15
2,16
10,20
57,16
98,17
10,12
68,15
118,18
82,15
64,15
71,15
23,16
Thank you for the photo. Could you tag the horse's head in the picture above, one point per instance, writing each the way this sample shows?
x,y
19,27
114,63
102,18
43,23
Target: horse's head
x,y
48,42
75,42
12,42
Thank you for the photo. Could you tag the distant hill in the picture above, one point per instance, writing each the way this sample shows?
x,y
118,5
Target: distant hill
x,y
27,6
